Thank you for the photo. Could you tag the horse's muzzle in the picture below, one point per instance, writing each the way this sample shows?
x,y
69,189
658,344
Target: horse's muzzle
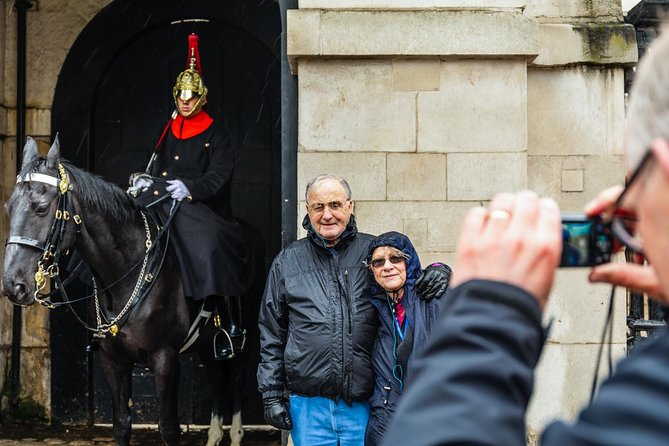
x,y
17,292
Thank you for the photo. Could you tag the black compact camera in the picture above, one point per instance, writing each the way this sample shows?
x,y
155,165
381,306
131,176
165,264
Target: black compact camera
x,y
586,241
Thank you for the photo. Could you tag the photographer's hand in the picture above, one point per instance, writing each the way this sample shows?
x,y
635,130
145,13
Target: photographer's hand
x,y
517,241
641,278
602,204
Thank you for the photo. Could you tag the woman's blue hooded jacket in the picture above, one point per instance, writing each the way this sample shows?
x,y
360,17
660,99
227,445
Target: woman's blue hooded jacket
x,y
422,317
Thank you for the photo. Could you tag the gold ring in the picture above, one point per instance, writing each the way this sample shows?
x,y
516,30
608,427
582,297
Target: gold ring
x,y
499,214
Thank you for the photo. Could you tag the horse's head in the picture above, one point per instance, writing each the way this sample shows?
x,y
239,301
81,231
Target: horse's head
x,y
34,215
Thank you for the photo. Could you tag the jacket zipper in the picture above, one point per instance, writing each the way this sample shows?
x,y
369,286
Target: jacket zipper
x,y
341,384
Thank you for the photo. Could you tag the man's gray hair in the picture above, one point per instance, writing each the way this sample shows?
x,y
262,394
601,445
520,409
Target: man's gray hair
x,y
648,111
311,185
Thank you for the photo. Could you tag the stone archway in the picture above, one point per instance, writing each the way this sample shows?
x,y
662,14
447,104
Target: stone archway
x,y
112,99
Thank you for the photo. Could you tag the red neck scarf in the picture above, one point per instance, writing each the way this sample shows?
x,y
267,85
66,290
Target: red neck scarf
x,y
184,128
399,313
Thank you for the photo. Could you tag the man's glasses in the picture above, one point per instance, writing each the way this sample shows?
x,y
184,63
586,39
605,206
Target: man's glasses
x,y
334,206
623,222
394,259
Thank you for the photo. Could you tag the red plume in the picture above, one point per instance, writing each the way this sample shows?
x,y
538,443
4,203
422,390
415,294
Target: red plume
x,y
193,52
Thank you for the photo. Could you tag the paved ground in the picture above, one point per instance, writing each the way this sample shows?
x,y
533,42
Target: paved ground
x,y
43,435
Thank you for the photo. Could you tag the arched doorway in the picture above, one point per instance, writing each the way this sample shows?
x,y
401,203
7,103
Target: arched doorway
x,y
112,100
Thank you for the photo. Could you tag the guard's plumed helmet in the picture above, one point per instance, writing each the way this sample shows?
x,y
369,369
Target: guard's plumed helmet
x,y
190,82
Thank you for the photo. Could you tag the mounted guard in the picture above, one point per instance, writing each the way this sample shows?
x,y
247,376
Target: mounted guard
x,y
193,163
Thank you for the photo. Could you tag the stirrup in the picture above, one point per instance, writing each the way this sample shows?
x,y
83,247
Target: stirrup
x,y
228,346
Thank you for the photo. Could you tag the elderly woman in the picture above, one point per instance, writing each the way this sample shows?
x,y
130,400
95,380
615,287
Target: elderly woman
x,y
405,322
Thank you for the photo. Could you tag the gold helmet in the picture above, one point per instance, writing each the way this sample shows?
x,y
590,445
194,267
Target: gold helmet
x,y
190,82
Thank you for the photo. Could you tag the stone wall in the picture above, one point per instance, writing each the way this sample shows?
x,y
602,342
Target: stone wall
x,y
52,27
430,107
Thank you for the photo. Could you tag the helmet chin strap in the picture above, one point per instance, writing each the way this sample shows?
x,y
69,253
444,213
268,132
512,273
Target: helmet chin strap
x,y
197,107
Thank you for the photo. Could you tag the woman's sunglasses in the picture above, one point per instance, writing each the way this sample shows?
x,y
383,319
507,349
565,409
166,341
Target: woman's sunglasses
x,y
378,263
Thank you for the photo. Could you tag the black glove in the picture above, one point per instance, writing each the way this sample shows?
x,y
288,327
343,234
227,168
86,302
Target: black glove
x,y
433,281
277,413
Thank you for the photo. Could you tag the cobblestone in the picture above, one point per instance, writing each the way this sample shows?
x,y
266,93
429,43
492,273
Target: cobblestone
x,y
44,435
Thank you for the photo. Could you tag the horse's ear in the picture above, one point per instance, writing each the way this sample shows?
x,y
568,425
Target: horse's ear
x,y
30,152
53,157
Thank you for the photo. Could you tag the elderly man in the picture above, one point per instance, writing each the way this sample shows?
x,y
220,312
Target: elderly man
x,y
318,325
473,384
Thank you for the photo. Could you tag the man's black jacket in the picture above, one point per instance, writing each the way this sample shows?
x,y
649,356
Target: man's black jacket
x,y
317,325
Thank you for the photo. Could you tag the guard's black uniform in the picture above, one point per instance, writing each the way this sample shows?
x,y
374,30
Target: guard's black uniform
x,y
208,241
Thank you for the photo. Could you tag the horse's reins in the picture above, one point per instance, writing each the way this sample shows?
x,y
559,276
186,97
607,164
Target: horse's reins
x,y
51,252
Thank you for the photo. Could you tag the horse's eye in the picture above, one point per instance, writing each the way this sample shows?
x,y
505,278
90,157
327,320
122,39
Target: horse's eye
x,y
41,210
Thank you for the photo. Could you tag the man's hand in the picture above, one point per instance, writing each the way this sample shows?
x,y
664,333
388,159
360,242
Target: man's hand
x,y
433,281
277,413
178,190
517,241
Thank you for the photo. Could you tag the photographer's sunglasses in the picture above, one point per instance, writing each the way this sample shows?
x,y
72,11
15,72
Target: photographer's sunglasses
x,y
623,222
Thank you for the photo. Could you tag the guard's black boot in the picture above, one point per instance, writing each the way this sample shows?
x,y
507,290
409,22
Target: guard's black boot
x,y
231,337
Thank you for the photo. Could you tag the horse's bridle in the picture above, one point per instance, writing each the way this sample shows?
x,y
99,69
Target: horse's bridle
x,y
51,248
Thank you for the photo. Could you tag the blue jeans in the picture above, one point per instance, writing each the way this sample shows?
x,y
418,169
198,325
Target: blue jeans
x,y
319,421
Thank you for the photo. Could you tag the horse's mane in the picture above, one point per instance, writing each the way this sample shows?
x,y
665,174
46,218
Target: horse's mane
x,y
94,192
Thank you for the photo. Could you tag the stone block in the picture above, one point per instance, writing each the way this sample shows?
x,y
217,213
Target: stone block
x,y
578,309
416,75
599,172
299,40
428,257
575,111
416,230
604,44
38,122
414,4
364,172
572,180
479,176
36,376
481,106
46,50
35,327
350,106
3,120
416,176
3,48
444,220
562,382
587,10
353,33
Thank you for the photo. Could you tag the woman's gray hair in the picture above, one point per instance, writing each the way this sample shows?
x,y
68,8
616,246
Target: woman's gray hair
x,y
311,185
648,111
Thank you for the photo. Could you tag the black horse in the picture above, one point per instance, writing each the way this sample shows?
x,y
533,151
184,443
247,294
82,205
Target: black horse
x,y
142,315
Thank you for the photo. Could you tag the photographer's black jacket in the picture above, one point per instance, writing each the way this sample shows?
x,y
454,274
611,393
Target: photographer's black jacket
x,y
317,324
473,383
